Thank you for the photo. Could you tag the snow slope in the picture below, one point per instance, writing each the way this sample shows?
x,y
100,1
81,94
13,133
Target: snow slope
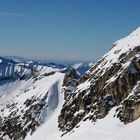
x,y
108,128
20,91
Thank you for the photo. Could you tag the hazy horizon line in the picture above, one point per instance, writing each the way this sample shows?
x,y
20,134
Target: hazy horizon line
x,y
47,59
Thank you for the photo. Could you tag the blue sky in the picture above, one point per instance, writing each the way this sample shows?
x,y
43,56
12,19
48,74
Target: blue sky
x,y
65,29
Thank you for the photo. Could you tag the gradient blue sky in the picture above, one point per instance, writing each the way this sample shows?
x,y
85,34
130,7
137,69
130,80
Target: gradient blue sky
x,y
65,29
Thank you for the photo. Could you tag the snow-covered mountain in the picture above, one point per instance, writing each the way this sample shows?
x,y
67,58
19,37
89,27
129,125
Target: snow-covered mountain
x,y
41,101
113,82
28,96
80,67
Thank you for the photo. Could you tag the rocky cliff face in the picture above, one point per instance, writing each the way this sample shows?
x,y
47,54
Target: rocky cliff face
x,y
113,81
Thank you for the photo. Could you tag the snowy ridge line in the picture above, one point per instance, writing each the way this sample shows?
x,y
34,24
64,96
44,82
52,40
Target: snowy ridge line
x,y
105,85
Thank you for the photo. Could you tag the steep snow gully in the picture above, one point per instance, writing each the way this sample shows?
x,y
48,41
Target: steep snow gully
x,y
49,130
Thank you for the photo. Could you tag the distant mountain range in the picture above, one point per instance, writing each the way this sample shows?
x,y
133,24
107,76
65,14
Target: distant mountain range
x,y
81,67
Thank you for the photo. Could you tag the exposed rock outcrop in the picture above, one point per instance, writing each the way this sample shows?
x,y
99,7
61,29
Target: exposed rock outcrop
x,y
17,124
70,83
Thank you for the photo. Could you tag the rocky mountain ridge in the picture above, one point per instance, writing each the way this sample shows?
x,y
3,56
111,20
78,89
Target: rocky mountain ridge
x,y
112,82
